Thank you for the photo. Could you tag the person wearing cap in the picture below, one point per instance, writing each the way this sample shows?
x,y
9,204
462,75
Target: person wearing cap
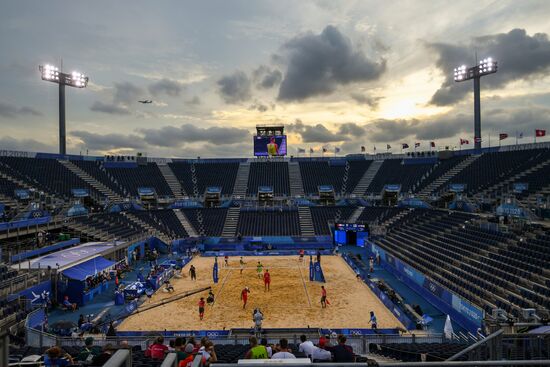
x,y
101,359
89,351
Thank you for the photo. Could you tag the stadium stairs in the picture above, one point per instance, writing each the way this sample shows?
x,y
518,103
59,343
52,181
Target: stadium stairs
x,y
241,182
232,219
191,231
172,181
365,181
356,214
306,221
23,184
295,177
104,190
151,230
440,181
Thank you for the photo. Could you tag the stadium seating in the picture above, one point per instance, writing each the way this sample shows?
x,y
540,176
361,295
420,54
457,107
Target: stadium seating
x,y
117,226
165,221
196,177
101,174
415,352
45,174
208,221
394,171
342,175
491,168
322,216
274,174
147,175
269,222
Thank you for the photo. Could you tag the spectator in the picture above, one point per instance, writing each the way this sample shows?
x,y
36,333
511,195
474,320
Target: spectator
x,y
80,320
179,347
256,351
268,347
191,342
68,305
324,341
157,349
208,353
342,352
89,351
313,352
284,352
55,357
101,359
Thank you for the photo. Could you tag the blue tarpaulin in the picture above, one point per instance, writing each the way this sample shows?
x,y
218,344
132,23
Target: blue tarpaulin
x,y
88,268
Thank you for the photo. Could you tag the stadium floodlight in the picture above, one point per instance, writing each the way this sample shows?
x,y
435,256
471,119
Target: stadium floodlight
x,y
75,79
462,73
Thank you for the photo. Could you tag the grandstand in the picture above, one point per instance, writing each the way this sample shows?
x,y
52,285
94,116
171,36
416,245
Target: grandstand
x,y
465,234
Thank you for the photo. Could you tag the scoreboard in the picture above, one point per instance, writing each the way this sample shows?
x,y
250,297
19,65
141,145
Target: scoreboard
x,y
354,234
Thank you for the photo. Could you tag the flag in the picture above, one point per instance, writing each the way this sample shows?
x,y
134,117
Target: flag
x,y
502,136
324,150
416,145
432,144
477,140
336,150
464,141
539,133
388,147
405,145
363,148
310,150
520,135
301,150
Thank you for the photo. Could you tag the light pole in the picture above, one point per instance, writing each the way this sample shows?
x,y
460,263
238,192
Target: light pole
x,y
75,79
462,73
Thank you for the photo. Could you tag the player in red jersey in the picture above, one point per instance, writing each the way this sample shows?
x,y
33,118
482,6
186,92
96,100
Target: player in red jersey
x,y
201,308
267,280
301,255
244,296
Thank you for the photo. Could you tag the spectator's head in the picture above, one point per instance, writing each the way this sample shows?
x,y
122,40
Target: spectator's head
x,y
283,343
342,339
263,342
191,340
124,344
253,341
54,352
204,340
179,342
303,338
189,348
327,337
159,340
89,341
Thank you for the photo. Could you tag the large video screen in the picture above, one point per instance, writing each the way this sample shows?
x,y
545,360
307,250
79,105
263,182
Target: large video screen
x,y
270,146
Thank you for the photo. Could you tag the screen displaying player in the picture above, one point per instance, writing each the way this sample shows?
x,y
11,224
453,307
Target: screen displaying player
x,y
272,146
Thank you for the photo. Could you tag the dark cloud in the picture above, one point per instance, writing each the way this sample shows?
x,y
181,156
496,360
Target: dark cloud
x,y
11,111
166,86
113,109
10,143
266,78
519,56
259,106
104,142
187,133
351,129
235,88
127,93
195,101
366,100
318,64
315,133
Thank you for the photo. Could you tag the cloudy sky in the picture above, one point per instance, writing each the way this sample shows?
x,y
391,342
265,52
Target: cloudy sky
x,y
336,73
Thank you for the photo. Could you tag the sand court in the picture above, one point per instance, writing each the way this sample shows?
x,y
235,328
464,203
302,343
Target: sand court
x,y
293,301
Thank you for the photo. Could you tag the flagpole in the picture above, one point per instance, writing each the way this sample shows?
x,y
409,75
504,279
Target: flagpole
x,y
516,137
535,136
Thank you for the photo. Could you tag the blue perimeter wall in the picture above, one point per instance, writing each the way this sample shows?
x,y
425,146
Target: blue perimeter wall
x,y
460,310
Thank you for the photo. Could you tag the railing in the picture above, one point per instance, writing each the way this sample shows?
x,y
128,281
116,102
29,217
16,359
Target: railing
x,y
400,364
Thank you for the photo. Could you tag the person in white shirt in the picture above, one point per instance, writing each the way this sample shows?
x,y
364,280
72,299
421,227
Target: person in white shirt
x,y
284,352
313,352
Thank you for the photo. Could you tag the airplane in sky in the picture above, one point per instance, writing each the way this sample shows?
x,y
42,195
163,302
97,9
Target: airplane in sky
x,y
145,101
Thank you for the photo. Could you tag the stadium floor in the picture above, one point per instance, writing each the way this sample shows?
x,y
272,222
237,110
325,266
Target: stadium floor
x,y
293,301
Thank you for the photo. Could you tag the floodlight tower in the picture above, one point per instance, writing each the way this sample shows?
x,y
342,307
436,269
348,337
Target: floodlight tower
x,y
462,73
75,79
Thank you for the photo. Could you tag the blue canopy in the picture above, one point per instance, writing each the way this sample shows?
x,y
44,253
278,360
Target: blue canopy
x,y
88,268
